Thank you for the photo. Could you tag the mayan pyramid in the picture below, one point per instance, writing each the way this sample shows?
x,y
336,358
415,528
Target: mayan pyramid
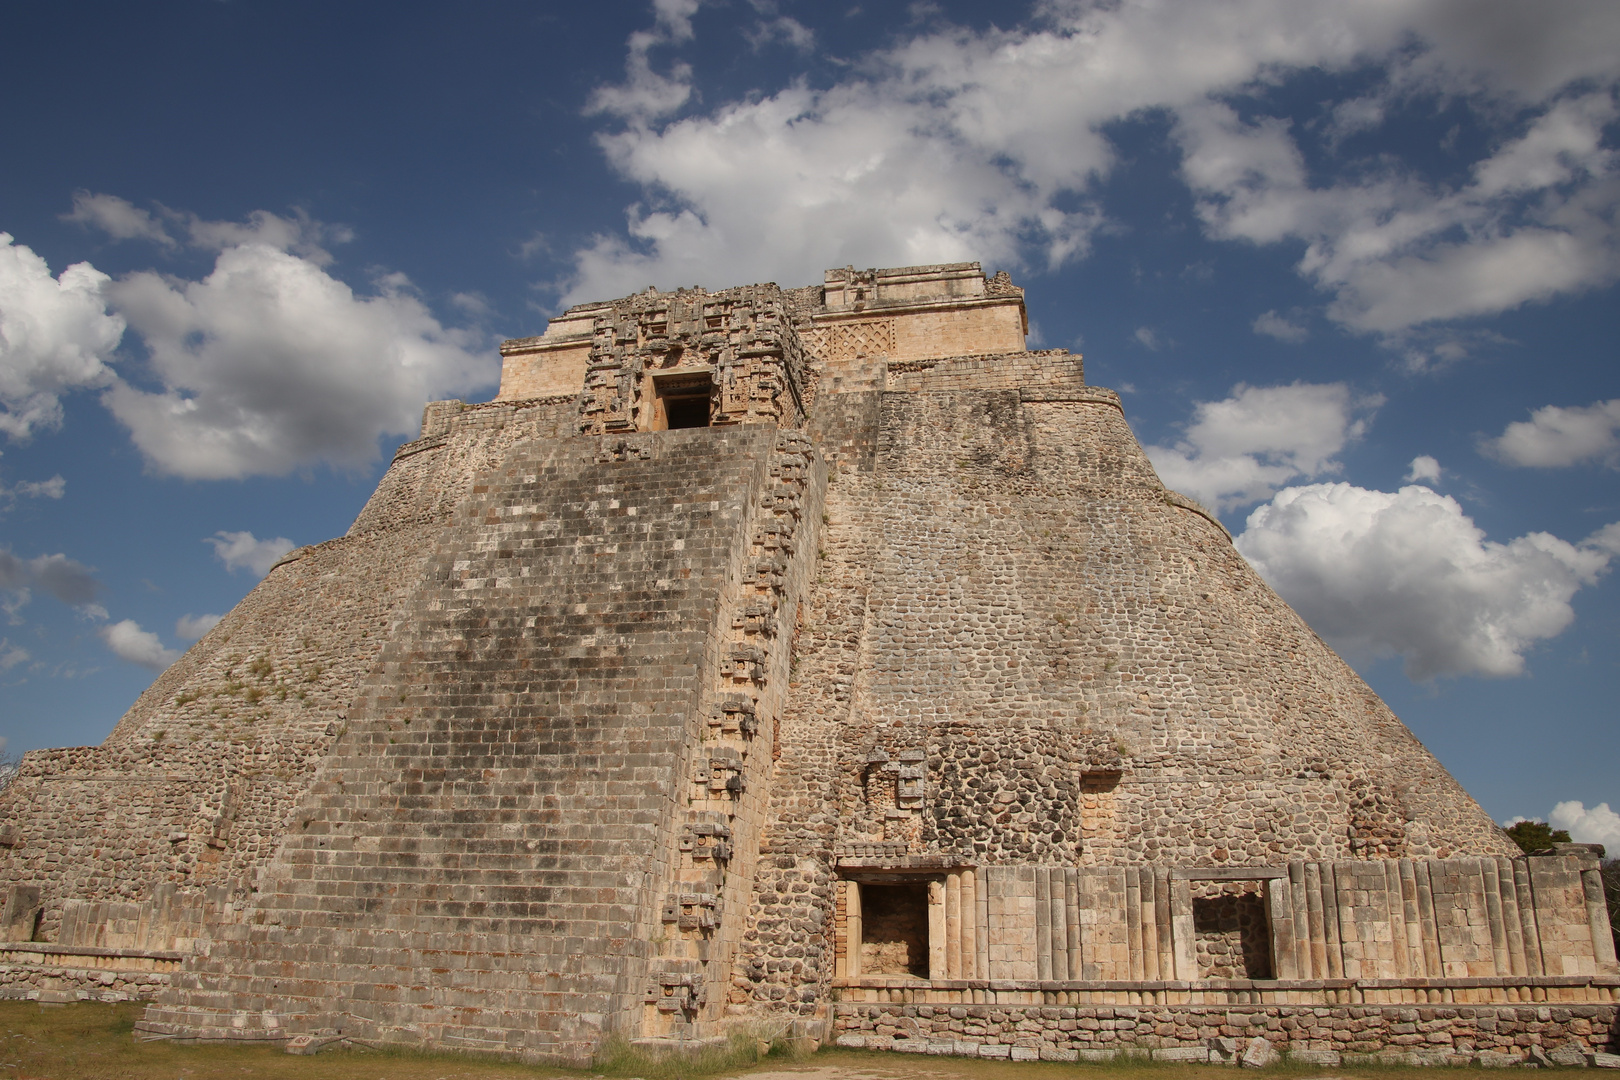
x,y
816,662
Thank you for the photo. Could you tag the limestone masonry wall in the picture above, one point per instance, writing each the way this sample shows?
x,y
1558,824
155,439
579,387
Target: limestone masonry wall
x,y
811,659
509,784
195,785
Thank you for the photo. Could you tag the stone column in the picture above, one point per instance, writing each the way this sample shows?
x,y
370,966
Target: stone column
x,y
1279,913
1597,916
936,930
853,893
1071,892
1183,947
970,925
1302,923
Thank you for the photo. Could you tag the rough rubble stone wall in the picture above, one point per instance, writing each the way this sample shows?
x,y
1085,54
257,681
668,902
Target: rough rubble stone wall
x,y
1231,940
195,784
1032,573
1009,590
1323,1035
480,860
789,940
895,930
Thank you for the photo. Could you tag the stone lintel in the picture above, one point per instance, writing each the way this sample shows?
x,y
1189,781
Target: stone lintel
x,y
546,343
830,314
903,863
1229,873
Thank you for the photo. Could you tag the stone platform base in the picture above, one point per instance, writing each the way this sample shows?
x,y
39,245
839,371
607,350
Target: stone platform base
x,y
1321,1035
50,973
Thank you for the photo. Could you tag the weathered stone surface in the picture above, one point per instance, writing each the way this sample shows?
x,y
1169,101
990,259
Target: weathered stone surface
x,y
890,697
1570,1054
1258,1053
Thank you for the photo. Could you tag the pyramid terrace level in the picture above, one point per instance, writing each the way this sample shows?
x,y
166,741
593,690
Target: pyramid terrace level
x,y
817,657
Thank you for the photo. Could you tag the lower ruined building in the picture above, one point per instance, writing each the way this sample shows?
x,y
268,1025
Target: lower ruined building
x,y
812,659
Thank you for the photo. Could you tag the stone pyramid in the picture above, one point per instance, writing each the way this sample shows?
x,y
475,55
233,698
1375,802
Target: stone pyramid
x,y
812,661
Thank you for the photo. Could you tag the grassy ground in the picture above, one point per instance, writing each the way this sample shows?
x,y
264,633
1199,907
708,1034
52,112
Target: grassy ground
x,y
95,1042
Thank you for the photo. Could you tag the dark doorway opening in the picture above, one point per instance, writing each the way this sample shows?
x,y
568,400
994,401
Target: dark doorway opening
x,y
687,412
683,401
894,929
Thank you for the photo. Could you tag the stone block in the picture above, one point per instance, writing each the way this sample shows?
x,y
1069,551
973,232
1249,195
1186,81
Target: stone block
x,y
1572,1054
1259,1054
1328,1058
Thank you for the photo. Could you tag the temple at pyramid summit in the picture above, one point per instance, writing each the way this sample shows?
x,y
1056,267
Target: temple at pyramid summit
x,y
817,663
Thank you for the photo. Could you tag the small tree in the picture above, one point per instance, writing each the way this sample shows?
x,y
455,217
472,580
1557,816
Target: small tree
x,y
1536,835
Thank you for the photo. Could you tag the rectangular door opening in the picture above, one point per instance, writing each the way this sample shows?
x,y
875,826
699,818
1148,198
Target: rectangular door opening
x,y
894,929
1231,934
682,401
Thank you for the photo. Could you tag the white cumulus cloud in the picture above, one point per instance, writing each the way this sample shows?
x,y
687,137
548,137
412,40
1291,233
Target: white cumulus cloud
x,y
53,488
1244,447
269,364
1555,436
992,145
1599,825
243,550
129,642
55,336
1408,573
1424,469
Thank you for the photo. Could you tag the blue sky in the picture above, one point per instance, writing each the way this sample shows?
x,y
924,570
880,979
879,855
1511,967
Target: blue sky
x,y
1352,265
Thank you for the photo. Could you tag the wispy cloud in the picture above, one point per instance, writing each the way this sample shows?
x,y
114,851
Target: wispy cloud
x,y
993,144
1555,436
244,551
1244,447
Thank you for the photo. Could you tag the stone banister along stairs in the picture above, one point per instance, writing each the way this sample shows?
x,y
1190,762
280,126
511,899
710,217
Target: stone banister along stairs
x,y
815,660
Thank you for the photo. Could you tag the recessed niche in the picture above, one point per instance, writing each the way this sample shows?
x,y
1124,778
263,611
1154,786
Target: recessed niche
x,y
894,929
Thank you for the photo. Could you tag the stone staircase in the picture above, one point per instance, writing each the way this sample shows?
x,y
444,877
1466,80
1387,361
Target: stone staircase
x,y
482,859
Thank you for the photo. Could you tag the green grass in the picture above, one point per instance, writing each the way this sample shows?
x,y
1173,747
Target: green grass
x,y
93,1041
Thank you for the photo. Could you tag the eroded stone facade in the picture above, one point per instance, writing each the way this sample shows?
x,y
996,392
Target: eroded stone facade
x,y
817,656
